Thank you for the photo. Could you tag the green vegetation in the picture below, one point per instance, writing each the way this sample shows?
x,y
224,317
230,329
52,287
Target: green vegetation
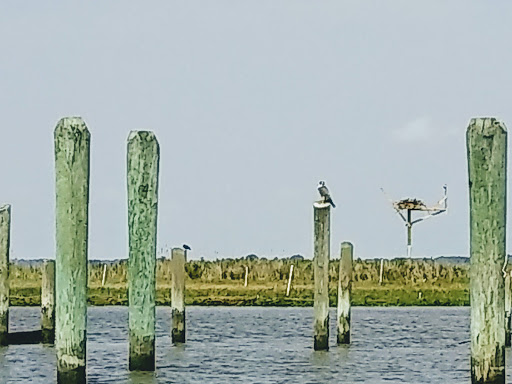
x,y
221,282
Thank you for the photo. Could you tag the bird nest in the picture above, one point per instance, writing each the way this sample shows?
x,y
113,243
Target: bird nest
x,y
410,204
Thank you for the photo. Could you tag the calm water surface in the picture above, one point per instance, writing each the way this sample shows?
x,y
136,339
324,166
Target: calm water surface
x,y
263,345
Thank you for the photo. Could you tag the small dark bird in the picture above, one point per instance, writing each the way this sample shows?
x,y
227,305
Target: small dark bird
x,y
324,192
185,246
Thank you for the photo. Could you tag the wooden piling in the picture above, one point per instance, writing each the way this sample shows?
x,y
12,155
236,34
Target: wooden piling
x,y
381,271
344,291
321,275
508,306
142,179
246,274
178,295
25,337
289,281
487,166
5,235
104,275
48,302
72,148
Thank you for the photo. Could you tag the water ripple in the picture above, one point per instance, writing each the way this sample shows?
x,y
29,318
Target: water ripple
x,y
263,345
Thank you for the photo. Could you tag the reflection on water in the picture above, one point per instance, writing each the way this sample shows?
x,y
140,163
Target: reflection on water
x,y
262,345
142,377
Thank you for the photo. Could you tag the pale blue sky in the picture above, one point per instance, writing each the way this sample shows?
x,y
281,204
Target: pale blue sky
x,y
253,102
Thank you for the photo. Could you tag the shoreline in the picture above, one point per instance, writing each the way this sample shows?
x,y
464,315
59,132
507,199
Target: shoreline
x,y
261,282
266,297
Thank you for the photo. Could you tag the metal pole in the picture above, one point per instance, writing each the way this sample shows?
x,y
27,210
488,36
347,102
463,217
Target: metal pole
x,y
409,233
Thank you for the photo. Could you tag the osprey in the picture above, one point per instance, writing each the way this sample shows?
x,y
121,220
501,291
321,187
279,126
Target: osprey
x,y
324,192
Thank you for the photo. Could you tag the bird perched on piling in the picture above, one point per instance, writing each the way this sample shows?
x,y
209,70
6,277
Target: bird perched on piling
x,y
324,193
185,246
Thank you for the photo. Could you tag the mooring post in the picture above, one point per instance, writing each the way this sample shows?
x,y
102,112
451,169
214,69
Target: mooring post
x,y
246,274
104,274
508,306
344,290
487,166
321,275
142,177
381,271
5,235
48,302
289,281
178,295
72,148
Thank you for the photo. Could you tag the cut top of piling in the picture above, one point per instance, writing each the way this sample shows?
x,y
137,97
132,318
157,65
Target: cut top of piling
x,y
72,138
321,205
143,155
486,126
178,253
148,136
72,126
5,207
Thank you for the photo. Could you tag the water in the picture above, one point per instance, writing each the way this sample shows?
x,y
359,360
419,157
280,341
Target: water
x,y
263,345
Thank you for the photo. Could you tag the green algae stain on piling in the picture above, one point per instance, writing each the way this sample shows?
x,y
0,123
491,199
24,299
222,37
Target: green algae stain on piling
x,y
321,275
344,291
487,163
178,295
142,176
48,302
5,233
72,148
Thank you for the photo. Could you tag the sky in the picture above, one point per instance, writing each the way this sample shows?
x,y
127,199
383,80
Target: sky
x,y
253,102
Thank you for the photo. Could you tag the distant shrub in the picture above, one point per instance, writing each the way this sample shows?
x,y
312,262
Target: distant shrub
x,y
405,272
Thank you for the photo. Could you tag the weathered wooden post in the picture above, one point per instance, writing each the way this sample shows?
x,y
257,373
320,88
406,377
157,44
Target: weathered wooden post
x,y
104,275
487,166
321,275
246,274
142,177
289,281
5,235
48,302
178,295
72,148
381,271
508,306
344,290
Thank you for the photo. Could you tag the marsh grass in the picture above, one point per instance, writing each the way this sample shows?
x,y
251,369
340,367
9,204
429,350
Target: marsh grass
x,y
221,282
